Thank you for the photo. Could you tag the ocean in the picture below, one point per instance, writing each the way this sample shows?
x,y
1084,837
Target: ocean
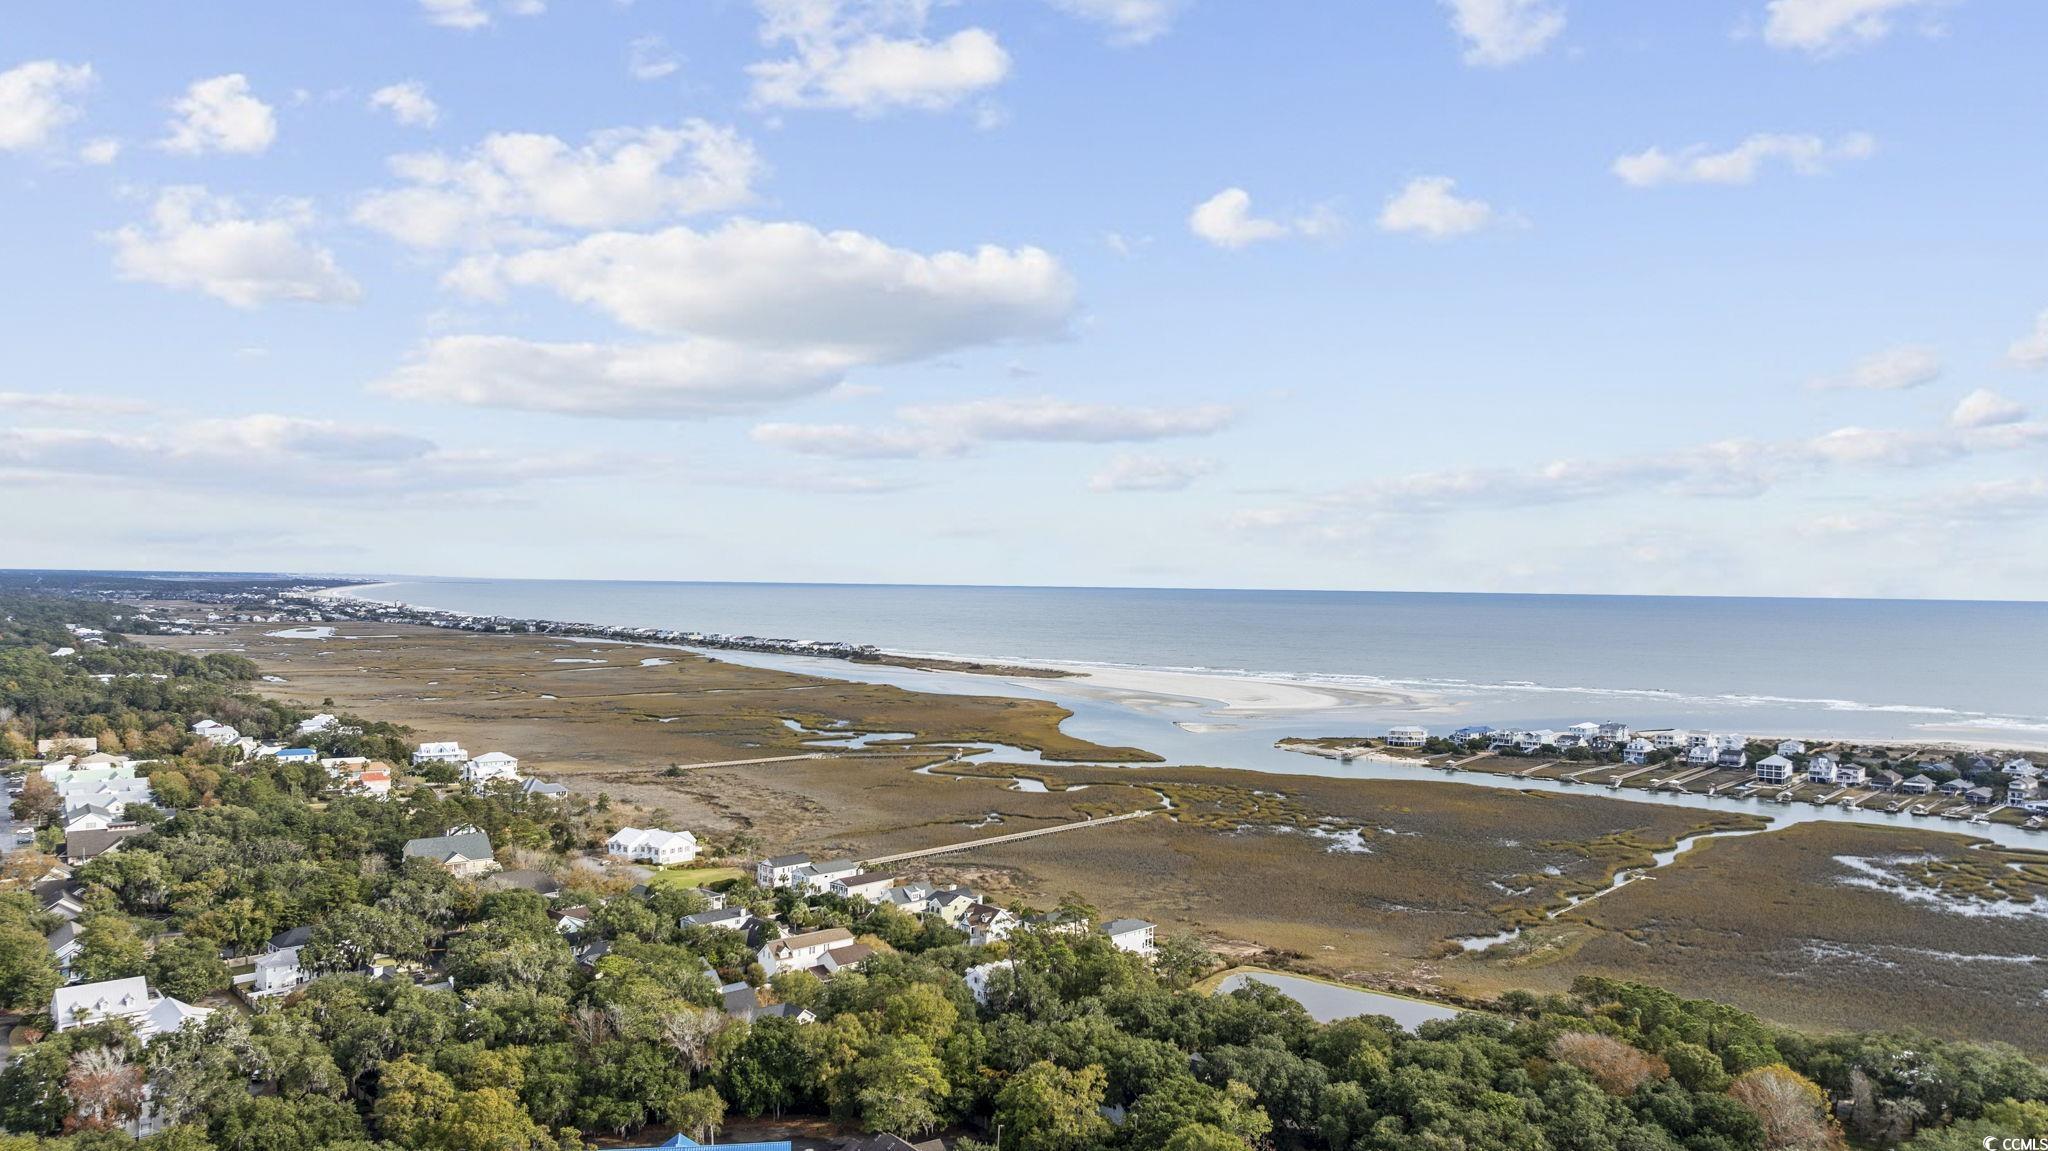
x,y
1939,671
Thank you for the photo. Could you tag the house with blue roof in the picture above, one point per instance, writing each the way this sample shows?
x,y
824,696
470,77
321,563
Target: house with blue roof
x,y
297,755
687,1143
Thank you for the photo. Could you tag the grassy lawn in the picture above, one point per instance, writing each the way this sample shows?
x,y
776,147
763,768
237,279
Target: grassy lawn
x,y
693,876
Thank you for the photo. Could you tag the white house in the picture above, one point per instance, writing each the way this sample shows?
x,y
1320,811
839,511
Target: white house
x,y
318,723
1918,785
2019,767
277,970
977,977
490,767
1774,769
1616,732
1849,773
802,952
986,923
543,789
1819,769
1585,731
872,886
1671,740
1132,935
779,870
1531,740
129,999
1637,751
373,781
91,817
1791,747
818,878
1730,741
442,751
1407,736
1701,755
910,898
217,734
652,845
729,918
297,755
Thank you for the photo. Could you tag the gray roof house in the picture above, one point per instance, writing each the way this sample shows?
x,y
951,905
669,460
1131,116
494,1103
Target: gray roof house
x,y
466,853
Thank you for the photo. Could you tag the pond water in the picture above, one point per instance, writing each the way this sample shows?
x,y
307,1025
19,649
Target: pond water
x,y
1328,1001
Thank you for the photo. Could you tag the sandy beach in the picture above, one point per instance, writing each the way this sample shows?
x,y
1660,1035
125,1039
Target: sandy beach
x,y
1228,696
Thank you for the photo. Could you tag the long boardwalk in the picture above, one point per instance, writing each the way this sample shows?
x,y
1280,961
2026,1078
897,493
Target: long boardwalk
x,y
1009,838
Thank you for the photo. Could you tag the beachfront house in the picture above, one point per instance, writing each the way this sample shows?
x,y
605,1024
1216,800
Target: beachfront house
x,y
489,768
1472,733
1730,741
1819,769
1791,747
1673,740
1637,751
2019,767
1613,731
441,751
779,871
872,886
1701,755
1407,736
150,1015
1918,785
1586,731
465,852
1732,760
1567,740
1775,770
2020,790
1132,935
1531,740
1853,774
651,845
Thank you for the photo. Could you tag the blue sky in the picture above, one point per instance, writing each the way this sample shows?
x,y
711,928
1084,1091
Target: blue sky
x,y
1534,295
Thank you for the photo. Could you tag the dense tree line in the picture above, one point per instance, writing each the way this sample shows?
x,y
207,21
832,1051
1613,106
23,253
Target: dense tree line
x,y
1073,1045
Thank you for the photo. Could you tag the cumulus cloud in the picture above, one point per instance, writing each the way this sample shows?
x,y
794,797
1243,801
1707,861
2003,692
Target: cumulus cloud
x,y
939,430
1501,32
67,403
792,286
469,15
1698,164
693,379
100,150
1129,21
1985,408
220,114
37,99
870,57
747,314
1893,369
1728,468
197,241
408,103
295,457
1430,206
522,185
1824,27
1137,473
2031,350
649,58
1226,220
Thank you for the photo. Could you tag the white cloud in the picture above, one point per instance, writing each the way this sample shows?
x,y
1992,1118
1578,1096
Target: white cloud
x,y
1806,154
1430,206
1502,32
939,430
1893,369
1128,21
750,313
408,103
649,58
517,185
69,403
1729,468
100,150
1823,27
695,379
220,114
1225,220
1135,473
2031,350
791,286
197,241
469,15
870,57
294,456
1985,408
36,101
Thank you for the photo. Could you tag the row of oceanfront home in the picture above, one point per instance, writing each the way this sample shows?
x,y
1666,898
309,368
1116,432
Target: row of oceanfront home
x,y
1978,779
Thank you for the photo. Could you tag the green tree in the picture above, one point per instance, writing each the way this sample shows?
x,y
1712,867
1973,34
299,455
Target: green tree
x,y
109,947
28,972
1182,958
901,1086
1052,1109
187,968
